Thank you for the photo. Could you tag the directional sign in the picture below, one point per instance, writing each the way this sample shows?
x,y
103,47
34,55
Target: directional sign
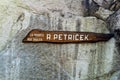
x,y
37,36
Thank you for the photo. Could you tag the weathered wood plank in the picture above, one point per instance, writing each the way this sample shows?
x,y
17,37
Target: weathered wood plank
x,y
36,36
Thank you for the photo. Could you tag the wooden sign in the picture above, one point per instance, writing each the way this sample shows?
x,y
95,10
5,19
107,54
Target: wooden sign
x,y
37,36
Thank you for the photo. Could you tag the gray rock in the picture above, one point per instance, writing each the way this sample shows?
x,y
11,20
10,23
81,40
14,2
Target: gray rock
x,y
113,24
115,76
113,5
43,61
103,3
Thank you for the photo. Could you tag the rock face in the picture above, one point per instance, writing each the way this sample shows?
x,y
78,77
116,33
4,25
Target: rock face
x,y
113,24
45,61
109,4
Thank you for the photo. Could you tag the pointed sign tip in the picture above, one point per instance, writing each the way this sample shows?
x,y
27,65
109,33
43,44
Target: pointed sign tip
x,y
36,35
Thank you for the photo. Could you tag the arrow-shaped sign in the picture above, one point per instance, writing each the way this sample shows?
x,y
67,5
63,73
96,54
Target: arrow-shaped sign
x,y
37,36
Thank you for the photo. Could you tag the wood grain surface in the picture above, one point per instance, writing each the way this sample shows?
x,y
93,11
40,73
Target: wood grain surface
x,y
37,36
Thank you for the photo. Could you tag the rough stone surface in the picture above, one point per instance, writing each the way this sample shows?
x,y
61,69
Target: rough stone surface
x,y
43,61
113,24
12,20
109,4
103,14
116,76
59,61
104,3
